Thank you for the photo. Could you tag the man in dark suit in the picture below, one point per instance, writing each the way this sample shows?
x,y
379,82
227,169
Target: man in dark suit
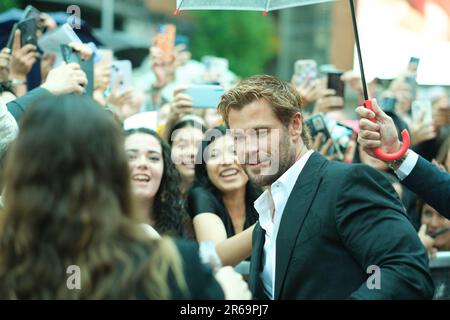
x,y
416,173
326,230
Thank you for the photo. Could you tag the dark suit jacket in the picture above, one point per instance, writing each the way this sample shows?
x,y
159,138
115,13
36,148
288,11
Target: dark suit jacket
x,y
431,184
199,278
339,220
17,107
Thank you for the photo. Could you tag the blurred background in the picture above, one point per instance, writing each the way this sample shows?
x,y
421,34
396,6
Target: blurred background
x,y
391,32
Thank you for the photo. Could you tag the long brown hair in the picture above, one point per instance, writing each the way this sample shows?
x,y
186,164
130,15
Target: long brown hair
x,y
67,201
171,218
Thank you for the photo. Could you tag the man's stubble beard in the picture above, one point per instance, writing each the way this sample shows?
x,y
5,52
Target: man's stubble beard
x,y
286,159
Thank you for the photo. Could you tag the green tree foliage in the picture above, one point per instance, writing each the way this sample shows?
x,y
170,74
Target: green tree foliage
x,y
247,39
8,4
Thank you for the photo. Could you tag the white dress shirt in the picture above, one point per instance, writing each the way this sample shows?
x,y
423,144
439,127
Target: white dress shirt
x,y
271,204
408,165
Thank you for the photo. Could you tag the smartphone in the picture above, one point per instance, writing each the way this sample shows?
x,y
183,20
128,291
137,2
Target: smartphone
x,y
205,95
28,31
123,69
342,135
413,64
334,82
422,111
30,12
304,69
316,125
388,104
51,41
106,56
71,56
165,40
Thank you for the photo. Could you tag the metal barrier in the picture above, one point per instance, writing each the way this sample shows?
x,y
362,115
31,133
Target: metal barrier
x,y
440,272
439,266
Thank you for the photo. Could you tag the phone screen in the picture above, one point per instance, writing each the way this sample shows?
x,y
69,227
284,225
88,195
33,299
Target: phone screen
x,y
316,125
335,83
205,96
342,135
27,33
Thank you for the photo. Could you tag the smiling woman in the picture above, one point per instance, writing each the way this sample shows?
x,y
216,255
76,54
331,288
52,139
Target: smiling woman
x,y
185,139
155,184
71,207
221,199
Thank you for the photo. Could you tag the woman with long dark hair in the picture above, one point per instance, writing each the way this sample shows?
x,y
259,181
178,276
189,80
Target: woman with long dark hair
x,y
221,199
155,184
185,139
68,204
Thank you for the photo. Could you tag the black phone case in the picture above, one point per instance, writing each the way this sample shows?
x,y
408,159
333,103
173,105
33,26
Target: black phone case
x,y
28,32
348,133
71,56
316,125
335,83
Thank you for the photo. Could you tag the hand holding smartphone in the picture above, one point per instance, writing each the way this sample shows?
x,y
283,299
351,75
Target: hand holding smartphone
x,y
413,65
317,125
334,82
342,136
28,34
165,41
122,70
205,96
305,70
71,56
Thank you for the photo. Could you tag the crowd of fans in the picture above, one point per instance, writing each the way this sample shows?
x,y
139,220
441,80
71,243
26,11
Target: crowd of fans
x,y
127,206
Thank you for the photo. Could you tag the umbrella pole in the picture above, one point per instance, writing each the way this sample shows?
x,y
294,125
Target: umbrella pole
x,y
358,49
380,154
177,10
266,8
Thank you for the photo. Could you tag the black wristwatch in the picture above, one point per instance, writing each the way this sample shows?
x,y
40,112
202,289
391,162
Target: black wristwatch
x,y
395,165
6,86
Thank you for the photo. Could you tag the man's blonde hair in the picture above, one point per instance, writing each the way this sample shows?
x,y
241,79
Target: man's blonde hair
x,y
284,100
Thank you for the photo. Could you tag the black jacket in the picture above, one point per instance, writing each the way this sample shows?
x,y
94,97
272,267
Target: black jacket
x,y
431,184
199,278
17,107
339,220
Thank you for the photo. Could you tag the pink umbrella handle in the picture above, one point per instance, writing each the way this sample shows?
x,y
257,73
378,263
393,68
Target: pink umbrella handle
x,y
390,156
